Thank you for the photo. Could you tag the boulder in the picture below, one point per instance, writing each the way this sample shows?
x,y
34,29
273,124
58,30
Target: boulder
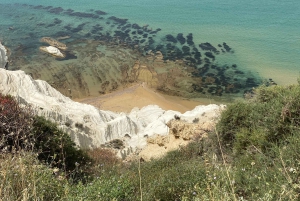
x,y
53,51
54,43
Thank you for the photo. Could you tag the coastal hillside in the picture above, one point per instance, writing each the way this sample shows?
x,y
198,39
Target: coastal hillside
x,y
251,154
90,127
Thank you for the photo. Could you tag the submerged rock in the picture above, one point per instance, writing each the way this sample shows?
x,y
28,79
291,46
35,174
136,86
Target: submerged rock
x,y
54,43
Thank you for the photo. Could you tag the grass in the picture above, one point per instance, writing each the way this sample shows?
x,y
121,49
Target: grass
x,y
252,155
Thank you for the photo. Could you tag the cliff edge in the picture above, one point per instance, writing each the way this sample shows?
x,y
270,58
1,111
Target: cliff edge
x,y
90,127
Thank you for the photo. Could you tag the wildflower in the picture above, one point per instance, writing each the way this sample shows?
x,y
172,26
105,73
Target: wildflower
x,y
55,170
293,170
77,164
252,163
243,169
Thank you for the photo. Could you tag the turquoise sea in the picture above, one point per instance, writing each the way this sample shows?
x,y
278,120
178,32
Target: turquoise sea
x,y
263,35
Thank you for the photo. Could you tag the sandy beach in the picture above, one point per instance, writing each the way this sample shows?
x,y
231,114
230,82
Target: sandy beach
x,y
139,95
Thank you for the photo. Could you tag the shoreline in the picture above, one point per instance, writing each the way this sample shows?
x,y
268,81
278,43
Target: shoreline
x,y
139,96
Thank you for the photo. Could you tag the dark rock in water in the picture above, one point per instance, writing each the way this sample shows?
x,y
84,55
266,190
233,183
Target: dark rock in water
x,y
57,21
207,60
50,25
158,29
88,35
227,48
178,54
197,55
170,46
250,82
118,20
82,14
191,60
180,38
186,49
48,7
121,35
238,72
219,45
140,32
38,7
159,47
134,32
68,27
234,65
56,10
40,24
142,41
60,33
210,55
207,47
145,35
99,12
195,50
136,26
69,10
127,31
189,39
151,41
78,28
152,32
97,28
171,38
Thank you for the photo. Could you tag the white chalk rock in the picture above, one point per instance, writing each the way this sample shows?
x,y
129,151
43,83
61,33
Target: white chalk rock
x,y
53,51
3,56
90,127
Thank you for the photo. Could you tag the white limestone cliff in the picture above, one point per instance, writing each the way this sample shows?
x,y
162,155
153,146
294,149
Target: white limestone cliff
x,y
90,127
3,56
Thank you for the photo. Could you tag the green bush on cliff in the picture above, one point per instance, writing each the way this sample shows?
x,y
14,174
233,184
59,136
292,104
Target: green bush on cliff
x,y
21,129
268,118
56,147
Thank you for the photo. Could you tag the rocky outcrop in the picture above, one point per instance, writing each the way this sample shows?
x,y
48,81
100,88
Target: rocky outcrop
x,y
54,43
53,51
3,56
90,127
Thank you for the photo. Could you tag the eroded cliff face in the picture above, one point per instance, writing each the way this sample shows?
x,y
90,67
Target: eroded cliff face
x,y
3,56
90,127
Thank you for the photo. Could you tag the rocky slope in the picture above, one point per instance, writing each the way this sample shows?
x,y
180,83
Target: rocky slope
x,y
90,127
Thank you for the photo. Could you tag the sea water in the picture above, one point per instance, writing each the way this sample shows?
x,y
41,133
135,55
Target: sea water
x,y
264,34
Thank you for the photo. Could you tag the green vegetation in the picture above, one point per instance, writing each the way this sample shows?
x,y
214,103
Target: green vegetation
x,y
252,155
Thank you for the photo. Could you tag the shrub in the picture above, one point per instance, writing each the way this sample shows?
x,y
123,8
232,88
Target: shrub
x,y
15,125
23,177
269,117
56,147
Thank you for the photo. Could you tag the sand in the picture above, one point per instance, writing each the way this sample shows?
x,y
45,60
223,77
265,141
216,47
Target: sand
x,y
139,95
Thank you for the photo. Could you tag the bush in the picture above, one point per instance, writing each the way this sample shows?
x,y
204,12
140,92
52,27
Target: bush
x,y
15,125
268,118
23,177
56,147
